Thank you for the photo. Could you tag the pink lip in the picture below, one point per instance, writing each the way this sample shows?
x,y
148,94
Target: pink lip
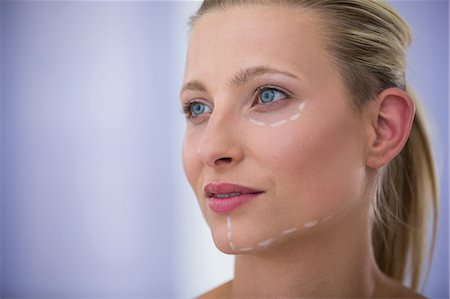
x,y
225,205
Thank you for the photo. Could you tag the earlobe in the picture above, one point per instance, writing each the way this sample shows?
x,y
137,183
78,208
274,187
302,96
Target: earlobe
x,y
392,118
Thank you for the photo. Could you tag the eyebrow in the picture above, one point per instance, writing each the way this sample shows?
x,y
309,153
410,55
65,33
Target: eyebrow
x,y
240,78
245,74
194,86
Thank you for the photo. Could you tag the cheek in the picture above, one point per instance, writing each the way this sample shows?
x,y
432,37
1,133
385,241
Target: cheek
x,y
191,164
316,166
313,172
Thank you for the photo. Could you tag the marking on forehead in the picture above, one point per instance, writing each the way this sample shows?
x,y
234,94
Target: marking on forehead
x,y
290,230
247,73
278,123
311,223
257,122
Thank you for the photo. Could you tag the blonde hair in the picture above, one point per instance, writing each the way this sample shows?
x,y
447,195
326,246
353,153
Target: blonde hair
x,y
368,40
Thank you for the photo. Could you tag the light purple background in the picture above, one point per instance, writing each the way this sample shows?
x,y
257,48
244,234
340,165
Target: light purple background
x,y
90,147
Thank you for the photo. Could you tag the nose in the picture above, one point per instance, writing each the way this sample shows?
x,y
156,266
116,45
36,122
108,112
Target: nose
x,y
220,146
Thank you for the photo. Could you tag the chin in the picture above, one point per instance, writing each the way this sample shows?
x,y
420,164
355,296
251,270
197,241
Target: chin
x,y
223,245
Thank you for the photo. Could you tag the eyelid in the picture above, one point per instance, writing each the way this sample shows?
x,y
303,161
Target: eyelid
x,y
186,106
198,100
268,86
279,89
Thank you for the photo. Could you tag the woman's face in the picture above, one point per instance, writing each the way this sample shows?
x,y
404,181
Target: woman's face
x,y
270,112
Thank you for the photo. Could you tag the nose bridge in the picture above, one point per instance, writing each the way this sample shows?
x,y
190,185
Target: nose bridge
x,y
220,140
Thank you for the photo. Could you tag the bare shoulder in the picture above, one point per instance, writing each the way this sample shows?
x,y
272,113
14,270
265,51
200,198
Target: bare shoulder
x,y
391,288
404,292
222,291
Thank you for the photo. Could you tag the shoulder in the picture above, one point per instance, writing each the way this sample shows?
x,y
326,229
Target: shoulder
x,y
222,291
391,288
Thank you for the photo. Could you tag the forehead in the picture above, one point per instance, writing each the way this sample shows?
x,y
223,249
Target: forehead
x,y
284,37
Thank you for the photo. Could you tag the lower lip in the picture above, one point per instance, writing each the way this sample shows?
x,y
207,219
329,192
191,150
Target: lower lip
x,y
226,205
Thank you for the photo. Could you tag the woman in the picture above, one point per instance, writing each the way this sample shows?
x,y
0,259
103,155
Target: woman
x,y
304,148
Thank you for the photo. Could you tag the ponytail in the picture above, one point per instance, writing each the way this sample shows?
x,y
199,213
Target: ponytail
x,y
407,190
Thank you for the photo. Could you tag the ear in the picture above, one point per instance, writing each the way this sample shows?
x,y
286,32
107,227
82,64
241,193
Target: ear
x,y
391,119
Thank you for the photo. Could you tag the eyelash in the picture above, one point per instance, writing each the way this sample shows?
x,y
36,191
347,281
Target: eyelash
x,y
186,109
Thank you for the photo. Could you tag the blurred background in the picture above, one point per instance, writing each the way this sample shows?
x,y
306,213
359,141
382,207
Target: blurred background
x,y
94,202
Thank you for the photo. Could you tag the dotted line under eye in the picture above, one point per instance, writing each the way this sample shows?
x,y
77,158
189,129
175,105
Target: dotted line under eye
x,y
281,122
289,231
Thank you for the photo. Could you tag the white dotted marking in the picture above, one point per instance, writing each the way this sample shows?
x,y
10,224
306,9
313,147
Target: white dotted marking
x,y
328,218
231,245
278,123
295,116
246,249
259,123
229,233
266,242
301,106
290,230
309,224
270,241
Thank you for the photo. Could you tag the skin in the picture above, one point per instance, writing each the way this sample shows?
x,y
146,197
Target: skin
x,y
322,163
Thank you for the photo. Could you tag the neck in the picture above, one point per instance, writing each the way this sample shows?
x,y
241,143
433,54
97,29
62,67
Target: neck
x,y
336,260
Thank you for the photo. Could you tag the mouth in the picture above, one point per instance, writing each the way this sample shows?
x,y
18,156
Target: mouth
x,y
227,197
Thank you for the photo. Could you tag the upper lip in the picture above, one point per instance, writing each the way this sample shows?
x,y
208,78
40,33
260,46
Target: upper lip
x,y
212,189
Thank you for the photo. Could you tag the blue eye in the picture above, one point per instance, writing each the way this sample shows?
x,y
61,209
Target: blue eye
x,y
269,94
194,109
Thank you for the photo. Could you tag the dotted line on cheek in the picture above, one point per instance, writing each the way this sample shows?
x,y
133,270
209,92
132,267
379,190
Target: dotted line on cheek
x,y
269,241
230,243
